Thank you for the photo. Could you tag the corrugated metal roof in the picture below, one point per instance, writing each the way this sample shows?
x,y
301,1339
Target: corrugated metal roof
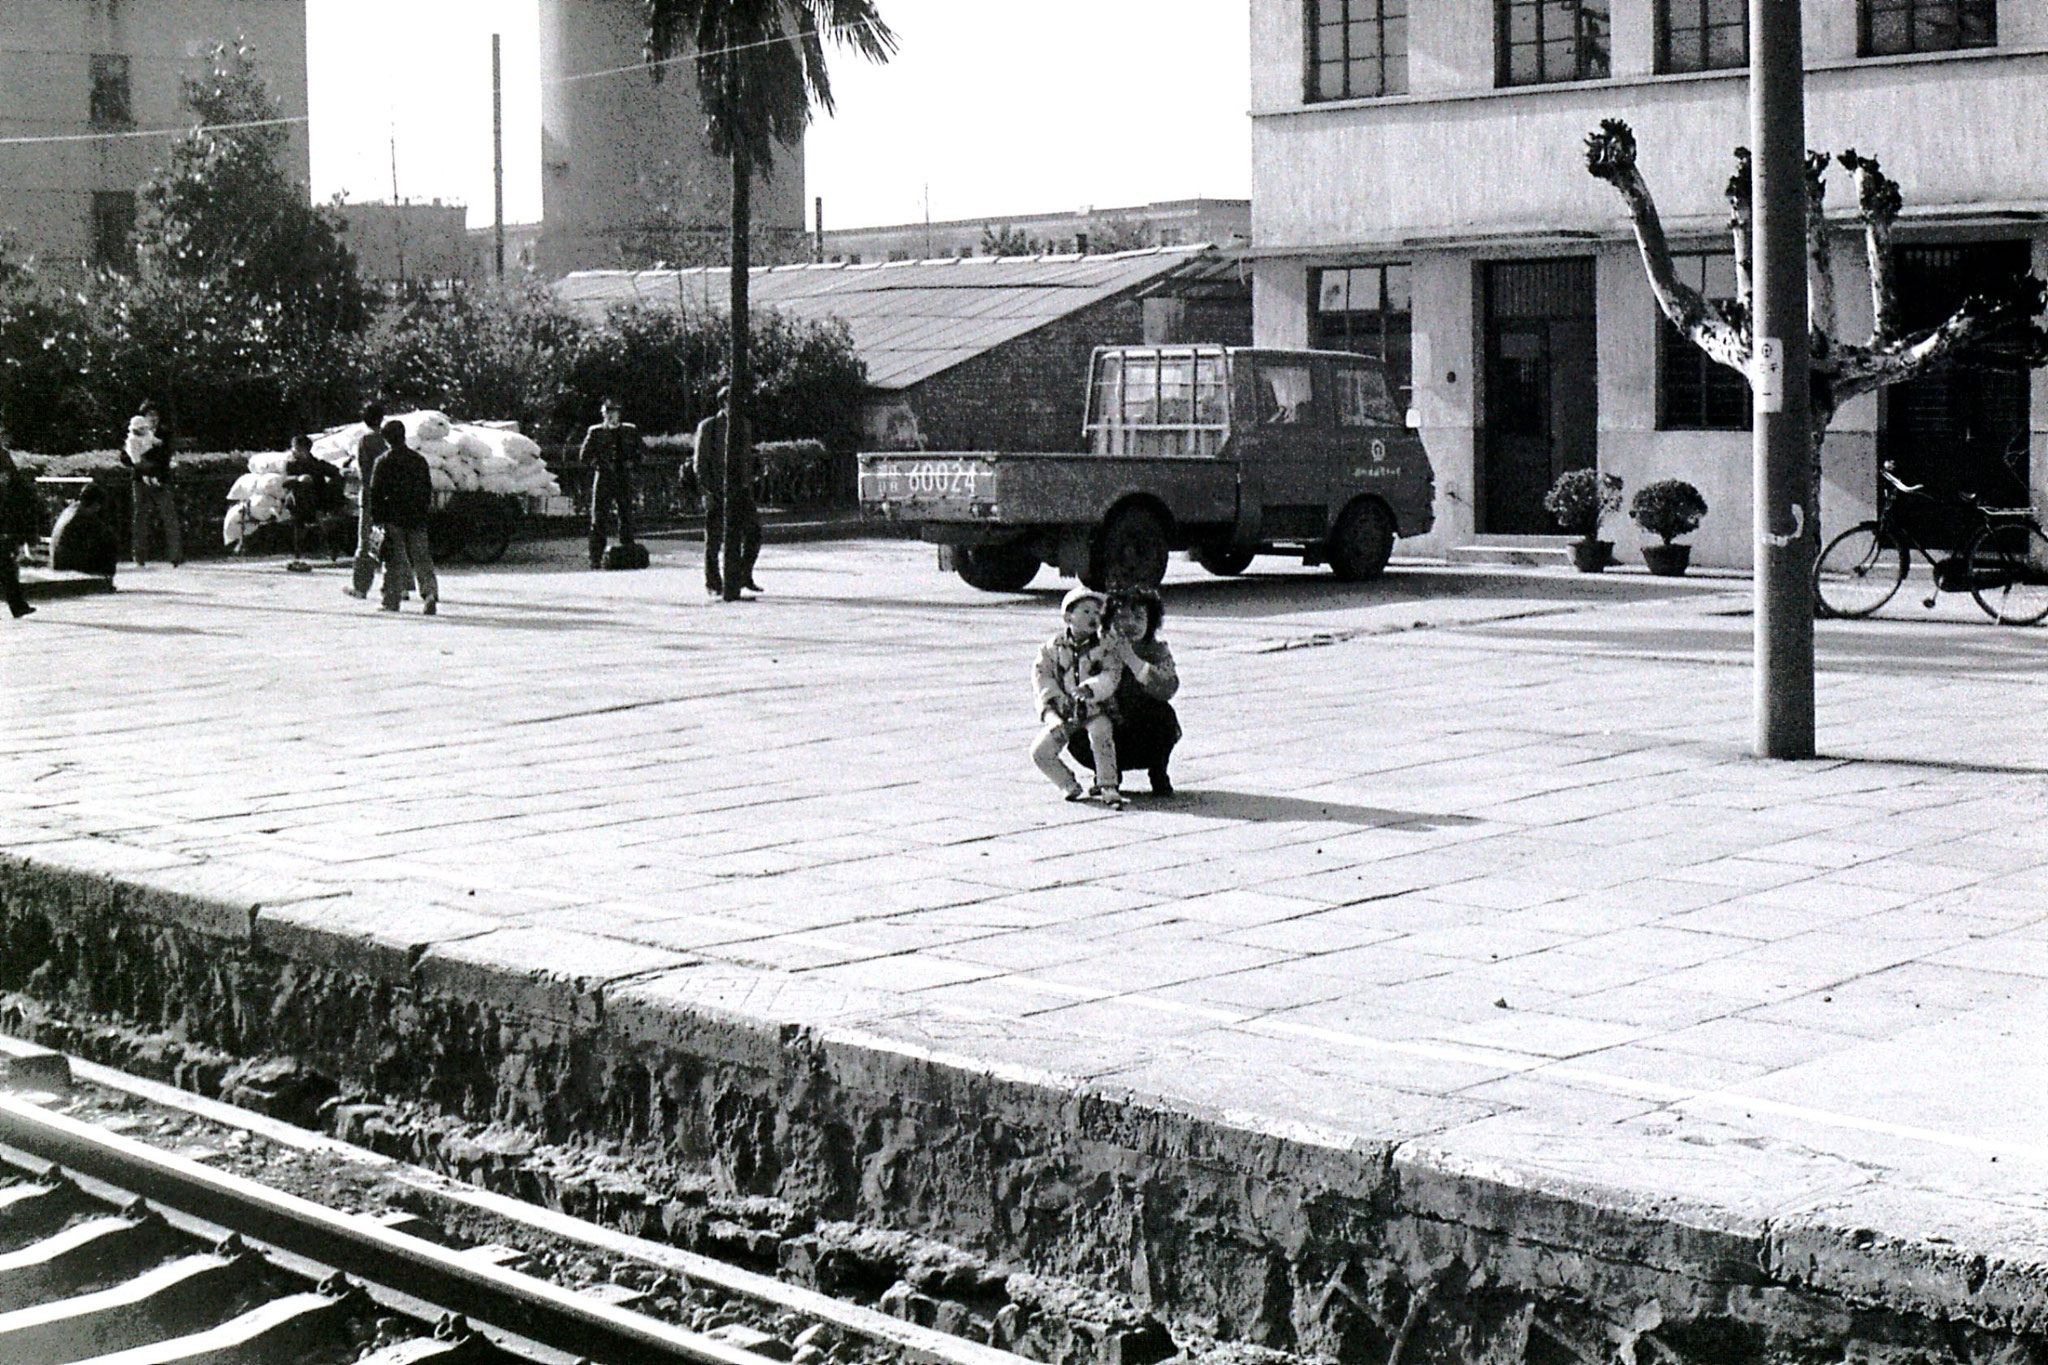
x,y
909,319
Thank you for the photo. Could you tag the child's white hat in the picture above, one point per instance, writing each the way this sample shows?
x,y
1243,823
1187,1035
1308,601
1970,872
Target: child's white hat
x,y
1080,594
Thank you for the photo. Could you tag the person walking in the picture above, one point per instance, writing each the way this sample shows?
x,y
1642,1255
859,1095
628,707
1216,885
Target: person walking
x,y
401,501
83,541
19,514
147,452
612,449
370,447
709,462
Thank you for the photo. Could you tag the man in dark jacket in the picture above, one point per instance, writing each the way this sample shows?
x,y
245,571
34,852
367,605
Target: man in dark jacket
x,y
401,499
146,450
314,489
369,447
82,541
709,463
19,513
611,449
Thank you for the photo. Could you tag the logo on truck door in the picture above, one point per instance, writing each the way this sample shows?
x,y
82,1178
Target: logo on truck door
x,y
1379,451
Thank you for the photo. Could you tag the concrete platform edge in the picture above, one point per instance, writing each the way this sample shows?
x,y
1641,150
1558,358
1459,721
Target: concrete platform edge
x,y
774,1075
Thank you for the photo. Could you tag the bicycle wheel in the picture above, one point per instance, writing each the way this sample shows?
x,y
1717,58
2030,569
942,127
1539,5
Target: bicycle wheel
x,y
2009,572
1858,573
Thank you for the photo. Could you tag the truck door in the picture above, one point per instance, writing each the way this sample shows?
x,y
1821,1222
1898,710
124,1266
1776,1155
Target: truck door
x,y
1373,450
1283,445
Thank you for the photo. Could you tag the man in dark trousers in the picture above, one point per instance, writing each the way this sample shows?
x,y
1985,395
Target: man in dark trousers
x,y
83,539
314,488
401,499
612,450
369,447
709,462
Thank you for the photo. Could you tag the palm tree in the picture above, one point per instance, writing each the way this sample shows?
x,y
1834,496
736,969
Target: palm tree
x,y
760,72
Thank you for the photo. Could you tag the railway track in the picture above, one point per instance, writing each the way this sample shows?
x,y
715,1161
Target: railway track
x,y
117,1251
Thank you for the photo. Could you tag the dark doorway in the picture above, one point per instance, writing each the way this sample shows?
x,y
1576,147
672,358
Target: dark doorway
x,y
1964,431
1542,388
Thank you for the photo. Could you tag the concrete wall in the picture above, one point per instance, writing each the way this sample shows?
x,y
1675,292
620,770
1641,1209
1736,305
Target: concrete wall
x,y
394,242
46,50
1172,223
627,175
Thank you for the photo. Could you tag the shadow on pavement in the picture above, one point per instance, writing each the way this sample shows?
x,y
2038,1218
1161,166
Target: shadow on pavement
x,y
1259,806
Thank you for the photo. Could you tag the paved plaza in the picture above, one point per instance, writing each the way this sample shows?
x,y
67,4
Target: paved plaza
x,y
1470,862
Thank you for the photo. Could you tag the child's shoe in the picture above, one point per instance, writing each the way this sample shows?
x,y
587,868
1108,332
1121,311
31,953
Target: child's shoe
x,y
1076,794
1114,799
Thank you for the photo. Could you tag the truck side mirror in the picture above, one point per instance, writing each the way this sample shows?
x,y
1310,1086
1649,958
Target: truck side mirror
x,y
1412,419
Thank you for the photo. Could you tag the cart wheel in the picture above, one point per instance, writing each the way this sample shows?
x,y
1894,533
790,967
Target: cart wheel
x,y
445,532
488,522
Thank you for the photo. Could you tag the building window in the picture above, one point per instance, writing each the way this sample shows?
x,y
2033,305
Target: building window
x,y
1366,309
110,104
113,229
1891,27
1693,392
1357,48
1541,41
1702,35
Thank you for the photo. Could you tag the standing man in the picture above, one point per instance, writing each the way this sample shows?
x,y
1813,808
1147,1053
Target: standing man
x,y
710,469
612,449
147,453
370,446
19,514
401,501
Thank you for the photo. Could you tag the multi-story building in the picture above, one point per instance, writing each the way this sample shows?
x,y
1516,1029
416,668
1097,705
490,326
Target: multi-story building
x,y
628,176
1173,222
85,77
1419,190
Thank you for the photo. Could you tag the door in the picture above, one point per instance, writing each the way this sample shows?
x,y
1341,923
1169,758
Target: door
x,y
1284,444
1964,431
1541,407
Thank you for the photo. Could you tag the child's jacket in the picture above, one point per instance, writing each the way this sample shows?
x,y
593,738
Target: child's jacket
x,y
1082,673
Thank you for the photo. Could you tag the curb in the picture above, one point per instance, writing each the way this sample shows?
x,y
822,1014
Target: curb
x,y
49,585
945,1124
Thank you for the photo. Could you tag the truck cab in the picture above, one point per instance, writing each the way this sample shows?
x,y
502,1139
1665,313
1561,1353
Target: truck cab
x,y
1229,452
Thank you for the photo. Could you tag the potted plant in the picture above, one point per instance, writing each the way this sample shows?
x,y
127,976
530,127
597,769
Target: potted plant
x,y
1668,509
1580,499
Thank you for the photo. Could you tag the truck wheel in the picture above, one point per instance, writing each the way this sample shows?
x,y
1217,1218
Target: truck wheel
x,y
995,568
1223,561
1363,543
1130,552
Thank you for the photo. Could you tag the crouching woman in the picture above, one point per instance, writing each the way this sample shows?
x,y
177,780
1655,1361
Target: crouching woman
x,y
1146,726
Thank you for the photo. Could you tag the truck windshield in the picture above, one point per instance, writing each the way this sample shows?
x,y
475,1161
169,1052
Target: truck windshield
x,y
1159,403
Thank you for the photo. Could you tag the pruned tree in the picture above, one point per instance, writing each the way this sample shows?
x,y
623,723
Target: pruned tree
x,y
1008,241
2000,330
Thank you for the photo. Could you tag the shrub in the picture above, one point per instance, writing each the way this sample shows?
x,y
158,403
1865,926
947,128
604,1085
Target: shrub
x,y
1668,508
1581,499
202,488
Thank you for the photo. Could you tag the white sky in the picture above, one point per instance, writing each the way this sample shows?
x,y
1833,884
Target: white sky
x,y
1049,107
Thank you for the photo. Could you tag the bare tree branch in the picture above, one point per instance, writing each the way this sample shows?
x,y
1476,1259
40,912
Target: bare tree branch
x,y
1877,203
1741,223
1820,275
1611,156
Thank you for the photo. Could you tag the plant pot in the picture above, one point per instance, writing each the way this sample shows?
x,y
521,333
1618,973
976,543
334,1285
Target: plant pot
x,y
1667,561
1591,556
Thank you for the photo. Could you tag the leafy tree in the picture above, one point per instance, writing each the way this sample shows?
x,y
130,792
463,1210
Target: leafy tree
x,y
223,210
1008,241
1999,331
1120,234
760,70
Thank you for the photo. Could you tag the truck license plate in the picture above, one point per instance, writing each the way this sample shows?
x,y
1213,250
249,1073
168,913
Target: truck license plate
x,y
934,479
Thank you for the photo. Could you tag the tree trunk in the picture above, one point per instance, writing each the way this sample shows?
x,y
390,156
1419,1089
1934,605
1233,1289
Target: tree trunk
x,y
739,489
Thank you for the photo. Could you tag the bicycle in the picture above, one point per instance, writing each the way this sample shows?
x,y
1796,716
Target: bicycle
x,y
2004,566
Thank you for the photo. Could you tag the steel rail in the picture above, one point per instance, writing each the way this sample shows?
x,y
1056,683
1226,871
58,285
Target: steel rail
x,y
359,1246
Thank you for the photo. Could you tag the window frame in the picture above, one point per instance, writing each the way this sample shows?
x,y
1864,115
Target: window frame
x,y
106,251
1388,323
110,91
1504,47
1348,15
1911,10
1699,33
1712,373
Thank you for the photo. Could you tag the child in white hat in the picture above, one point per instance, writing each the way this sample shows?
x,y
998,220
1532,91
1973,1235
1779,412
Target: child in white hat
x,y
1076,676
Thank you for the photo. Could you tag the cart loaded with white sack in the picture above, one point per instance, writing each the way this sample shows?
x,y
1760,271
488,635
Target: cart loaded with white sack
x,y
486,477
